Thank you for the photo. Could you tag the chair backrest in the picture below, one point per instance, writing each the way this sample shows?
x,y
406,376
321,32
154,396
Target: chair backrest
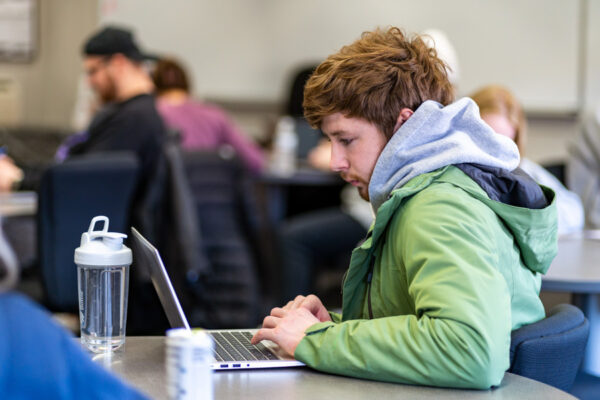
x,y
70,195
558,170
230,289
296,91
551,350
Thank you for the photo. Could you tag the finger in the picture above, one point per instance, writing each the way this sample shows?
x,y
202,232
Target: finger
x,y
262,334
315,306
297,302
288,305
270,321
279,312
312,303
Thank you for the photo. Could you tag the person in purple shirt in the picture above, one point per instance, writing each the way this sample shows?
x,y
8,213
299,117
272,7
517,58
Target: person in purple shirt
x,y
202,126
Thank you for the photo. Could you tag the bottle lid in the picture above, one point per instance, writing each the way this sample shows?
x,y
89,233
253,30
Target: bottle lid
x,y
102,248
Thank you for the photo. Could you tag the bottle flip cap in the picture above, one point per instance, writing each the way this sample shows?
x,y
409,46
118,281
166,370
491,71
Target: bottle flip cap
x,y
102,248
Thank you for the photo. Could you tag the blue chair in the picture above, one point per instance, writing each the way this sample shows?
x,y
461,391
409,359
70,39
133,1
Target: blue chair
x,y
550,351
70,195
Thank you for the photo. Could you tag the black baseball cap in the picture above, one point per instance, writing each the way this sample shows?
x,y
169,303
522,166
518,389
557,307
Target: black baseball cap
x,y
112,40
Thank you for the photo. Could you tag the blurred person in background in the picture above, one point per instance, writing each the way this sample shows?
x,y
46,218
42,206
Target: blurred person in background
x,y
10,174
202,126
502,112
583,167
128,121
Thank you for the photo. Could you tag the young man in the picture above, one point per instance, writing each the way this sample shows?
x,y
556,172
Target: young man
x,y
452,262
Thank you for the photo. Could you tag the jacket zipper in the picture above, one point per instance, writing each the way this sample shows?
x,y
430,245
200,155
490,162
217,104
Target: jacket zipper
x,y
372,268
368,235
369,279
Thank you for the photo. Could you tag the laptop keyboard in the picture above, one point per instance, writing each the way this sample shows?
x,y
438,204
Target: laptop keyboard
x,y
236,346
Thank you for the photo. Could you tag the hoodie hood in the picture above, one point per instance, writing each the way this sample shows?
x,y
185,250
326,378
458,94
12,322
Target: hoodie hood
x,y
527,209
434,137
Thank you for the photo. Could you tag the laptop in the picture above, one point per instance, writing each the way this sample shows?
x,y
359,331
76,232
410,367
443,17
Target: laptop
x,y
233,349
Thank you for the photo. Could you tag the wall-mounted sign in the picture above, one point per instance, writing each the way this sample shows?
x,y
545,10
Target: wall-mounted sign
x,y
18,30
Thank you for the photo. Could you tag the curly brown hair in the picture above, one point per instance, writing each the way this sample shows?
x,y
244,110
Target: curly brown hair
x,y
375,77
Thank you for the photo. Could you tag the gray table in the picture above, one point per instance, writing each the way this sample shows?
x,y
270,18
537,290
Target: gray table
x,y
141,363
576,269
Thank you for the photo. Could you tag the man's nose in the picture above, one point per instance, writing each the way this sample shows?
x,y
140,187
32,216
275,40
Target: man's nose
x,y
338,162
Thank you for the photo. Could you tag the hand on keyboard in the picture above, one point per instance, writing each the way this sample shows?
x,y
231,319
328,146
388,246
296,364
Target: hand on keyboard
x,y
286,328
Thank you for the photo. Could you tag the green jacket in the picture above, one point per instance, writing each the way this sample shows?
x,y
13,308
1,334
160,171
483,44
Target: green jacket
x,y
453,272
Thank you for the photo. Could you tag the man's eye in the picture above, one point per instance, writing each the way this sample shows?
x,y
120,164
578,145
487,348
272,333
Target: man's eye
x,y
345,142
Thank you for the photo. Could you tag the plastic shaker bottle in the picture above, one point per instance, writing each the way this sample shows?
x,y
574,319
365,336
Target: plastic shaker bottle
x,y
103,263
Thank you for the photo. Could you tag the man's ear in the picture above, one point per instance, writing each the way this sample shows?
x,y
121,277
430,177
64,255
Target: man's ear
x,y
403,116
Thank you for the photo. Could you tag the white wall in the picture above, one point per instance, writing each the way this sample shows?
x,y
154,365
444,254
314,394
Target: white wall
x,y
592,65
245,49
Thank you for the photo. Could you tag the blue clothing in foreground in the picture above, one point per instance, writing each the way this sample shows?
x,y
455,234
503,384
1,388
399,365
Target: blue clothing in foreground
x,y
40,360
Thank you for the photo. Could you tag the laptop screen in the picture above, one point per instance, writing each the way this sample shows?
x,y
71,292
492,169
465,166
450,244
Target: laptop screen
x,y
147,257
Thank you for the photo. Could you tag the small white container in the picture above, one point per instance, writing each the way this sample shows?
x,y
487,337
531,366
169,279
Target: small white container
x,y
188,358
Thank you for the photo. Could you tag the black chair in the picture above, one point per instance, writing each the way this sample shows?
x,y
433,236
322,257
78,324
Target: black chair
x,y
551,350
165,214
228,294
308,137
70,195
296,93
557,169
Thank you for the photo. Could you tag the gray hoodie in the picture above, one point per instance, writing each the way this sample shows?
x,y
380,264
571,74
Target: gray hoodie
x,y
434,137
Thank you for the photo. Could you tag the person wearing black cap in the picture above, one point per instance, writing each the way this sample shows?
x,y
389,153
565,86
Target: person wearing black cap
x,y
128,121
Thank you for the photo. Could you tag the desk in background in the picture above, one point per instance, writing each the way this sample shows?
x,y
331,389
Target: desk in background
x,y
576,269
306,190
142,363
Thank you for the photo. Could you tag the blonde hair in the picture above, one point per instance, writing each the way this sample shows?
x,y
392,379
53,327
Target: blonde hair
x,y
496,99
375,77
